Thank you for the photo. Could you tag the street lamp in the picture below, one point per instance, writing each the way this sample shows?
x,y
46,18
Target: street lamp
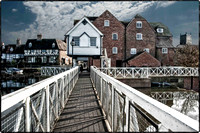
x,y
72,44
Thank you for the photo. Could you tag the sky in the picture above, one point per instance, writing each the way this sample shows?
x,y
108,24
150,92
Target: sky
x,y
24,20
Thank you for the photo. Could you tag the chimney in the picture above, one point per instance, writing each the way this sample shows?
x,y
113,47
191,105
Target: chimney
x,y
39,37
19,41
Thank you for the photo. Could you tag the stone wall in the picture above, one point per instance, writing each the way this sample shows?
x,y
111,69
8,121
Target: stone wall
x,y
137,83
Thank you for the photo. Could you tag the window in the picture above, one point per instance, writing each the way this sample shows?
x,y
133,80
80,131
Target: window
x,y
106,23
147,50
115,36
138,24
25,52
29,59
138,36
11,49
160,30
114,50
44,59
30,45
164,50
76,40
33,59
133,51
92,41
53,45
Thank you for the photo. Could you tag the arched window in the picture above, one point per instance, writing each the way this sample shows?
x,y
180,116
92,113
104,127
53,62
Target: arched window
x,y
30,45
53,45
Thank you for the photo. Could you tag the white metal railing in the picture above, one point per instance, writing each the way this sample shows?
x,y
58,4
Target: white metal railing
x,y
50,71
121,104
146,72
36,107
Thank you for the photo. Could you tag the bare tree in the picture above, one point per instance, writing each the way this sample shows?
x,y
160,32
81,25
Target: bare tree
x,y
187,56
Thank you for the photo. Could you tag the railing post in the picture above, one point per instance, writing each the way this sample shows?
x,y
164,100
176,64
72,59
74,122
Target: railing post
x,y
101,85
112,106
47,107
57,100
126,110
27,114
62,89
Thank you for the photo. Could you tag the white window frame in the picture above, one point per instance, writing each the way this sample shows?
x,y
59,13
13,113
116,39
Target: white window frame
x,y
164,50
133,51
147,50
94,40
139,36
114,50
139,24
160,30
113,36
106,23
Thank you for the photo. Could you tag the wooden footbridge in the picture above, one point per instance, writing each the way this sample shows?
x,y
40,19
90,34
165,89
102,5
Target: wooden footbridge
x,y
88,102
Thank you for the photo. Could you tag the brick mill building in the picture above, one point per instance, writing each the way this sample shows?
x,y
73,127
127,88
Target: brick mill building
x,y
134,43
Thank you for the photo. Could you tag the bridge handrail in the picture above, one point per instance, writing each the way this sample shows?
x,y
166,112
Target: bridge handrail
x,y
146,72
56,89
169,118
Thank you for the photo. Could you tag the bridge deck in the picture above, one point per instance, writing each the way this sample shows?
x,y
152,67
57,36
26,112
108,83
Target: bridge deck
x,y
82,112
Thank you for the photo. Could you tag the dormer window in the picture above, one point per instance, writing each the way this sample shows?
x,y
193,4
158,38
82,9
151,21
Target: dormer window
x,y
138,24
160,30
30,45
106,23
147,50
53,45
11,49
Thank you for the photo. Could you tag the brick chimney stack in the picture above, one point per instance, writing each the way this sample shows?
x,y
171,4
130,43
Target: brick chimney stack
x,y
39,37
19,41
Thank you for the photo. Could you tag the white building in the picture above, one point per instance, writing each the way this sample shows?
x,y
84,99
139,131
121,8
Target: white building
x,y
88,40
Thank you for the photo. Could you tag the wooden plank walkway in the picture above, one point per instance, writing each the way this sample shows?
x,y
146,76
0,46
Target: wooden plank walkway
x,y
82,112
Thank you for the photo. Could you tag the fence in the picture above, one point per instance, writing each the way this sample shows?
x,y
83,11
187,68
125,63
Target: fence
x,y
146,72
36,108
50,71
127,109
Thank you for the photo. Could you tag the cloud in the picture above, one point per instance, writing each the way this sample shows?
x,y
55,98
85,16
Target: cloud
x,y
14,10
164,3
54,19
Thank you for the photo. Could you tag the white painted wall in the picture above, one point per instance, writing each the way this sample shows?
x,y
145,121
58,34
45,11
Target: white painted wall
x,y
84,47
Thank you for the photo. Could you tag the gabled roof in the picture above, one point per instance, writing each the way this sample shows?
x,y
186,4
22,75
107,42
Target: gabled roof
x,y
84,18
156,25
90,18
143,59
164,42
46,44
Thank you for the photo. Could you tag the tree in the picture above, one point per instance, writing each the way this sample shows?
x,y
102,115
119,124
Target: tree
x,y
187,56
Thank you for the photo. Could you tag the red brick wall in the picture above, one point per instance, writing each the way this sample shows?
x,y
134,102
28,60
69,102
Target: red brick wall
x,y
115,27
165,59
148,36
144,59
187,83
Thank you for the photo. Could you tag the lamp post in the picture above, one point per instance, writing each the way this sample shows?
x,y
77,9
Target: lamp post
x,y
72,44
